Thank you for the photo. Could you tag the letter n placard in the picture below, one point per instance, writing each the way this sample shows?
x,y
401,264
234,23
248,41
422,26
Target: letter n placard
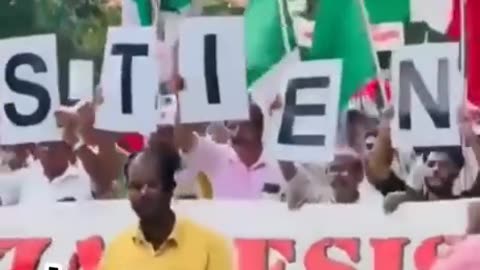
x,y
426,94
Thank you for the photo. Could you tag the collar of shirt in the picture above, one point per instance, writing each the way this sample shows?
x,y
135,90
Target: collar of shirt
x,y
172,240
70,172
259,164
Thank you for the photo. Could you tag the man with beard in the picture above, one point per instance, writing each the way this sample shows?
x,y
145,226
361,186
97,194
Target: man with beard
x,y
162,240
440,170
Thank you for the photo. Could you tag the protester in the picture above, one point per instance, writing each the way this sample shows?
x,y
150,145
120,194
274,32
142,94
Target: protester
x,y
65,178
16,162
462,256
239,169
438,173
340,181
162,239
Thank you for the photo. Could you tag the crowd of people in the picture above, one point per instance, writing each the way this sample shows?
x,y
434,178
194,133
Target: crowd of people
x,y
228,161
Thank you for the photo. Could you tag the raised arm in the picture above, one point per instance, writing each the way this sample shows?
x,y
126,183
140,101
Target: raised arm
x,y
380,158
104,165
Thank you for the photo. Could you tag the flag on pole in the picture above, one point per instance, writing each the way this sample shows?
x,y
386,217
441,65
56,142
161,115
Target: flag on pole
x,y
341,32
471,37
177,6
269,36
137,12
141,12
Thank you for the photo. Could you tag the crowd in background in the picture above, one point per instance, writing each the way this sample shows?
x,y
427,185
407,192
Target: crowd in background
x,y
228,161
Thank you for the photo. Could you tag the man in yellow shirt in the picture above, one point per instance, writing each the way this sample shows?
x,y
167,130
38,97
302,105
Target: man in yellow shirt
x,y
162,240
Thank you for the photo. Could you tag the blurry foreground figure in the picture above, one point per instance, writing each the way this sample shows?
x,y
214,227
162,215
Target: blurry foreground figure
x,y
463,256
162,239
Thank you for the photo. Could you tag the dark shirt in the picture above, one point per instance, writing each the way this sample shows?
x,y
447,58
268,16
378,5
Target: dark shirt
x,y
394,184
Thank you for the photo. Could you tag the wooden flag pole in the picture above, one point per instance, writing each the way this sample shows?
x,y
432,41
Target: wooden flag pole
x,y
284,25
465,177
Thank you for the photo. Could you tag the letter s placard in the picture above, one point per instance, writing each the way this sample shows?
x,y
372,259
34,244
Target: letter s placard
x,y
29,90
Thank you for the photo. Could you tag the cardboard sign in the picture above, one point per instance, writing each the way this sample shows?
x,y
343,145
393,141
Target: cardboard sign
x,y
426,95
326,237
28,90
212,63
81,80
305,129
130,81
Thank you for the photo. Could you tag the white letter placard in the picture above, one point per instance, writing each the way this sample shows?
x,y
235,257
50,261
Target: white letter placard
x,y
212,62
130,80
304,129
80,80
29,90
426,92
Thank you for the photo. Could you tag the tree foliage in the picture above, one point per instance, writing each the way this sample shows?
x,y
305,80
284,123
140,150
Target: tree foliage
x,y
80,27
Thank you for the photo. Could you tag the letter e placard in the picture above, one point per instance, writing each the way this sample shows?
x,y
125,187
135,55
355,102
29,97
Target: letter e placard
x,y
304,129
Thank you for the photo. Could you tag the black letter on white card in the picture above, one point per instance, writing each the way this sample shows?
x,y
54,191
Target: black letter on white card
x,y
292,110
411,78
24,87
210,66
128,51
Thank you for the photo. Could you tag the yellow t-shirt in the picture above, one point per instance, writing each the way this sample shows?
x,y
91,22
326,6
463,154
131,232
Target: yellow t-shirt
x,y
189,247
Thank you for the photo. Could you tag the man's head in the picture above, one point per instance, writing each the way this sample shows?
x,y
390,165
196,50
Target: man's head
x,y
164,134
55,158
16,156
150,177
347,172
248,131
445,165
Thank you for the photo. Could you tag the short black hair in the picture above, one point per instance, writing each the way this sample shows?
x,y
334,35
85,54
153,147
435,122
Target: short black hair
x,y
455,153
256,117
167,161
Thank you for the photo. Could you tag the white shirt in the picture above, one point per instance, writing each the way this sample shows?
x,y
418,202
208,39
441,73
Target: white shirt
x,y
11,182
30,186
73,183
312,185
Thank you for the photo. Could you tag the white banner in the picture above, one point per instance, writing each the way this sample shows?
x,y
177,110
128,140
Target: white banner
x,y
266,233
